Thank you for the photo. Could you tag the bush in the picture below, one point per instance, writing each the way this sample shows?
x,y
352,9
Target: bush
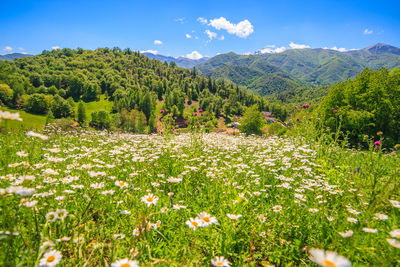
x,y
252,122
6,94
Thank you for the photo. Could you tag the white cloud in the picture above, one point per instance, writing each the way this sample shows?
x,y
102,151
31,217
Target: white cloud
x,y
202,20
367,32
21,49
194,55
270,51
298,46
221,38
154,52
24,53
270,46
55,47
157,42
188,36
211,34
242,29
341,49
8,49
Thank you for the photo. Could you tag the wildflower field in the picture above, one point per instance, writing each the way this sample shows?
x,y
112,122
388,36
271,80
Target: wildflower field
x,y
101,199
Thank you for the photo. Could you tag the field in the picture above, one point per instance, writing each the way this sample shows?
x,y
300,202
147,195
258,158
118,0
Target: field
x,y
95,198
29,121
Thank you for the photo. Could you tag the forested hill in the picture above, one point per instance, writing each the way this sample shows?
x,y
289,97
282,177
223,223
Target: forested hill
x,y
128,78
271,73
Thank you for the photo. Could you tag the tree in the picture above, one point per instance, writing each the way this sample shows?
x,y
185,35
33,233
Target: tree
x,y
37,103
81,113
252,122
6,94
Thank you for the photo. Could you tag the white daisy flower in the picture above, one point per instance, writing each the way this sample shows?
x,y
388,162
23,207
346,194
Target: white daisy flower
x,y
50,259
220,261
125,263
150,199
328,258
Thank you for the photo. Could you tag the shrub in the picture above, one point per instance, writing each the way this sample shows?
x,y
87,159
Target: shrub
x,y
252,122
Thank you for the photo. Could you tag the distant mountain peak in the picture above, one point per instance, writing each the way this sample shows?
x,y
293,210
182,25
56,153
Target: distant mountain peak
x,y
380,48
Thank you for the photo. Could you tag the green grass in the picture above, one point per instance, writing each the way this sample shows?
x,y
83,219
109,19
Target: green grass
x,y
102,104
220,174
36,122
29,121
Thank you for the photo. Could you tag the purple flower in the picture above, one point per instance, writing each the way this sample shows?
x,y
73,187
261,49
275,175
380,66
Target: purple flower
x,y
334,111
162,111
297,119
200,110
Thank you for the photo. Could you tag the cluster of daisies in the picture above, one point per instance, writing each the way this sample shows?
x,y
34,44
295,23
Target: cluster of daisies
x,y
251,171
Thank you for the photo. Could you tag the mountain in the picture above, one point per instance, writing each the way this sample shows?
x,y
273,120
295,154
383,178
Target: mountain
x,y
14,56
270,73
180,61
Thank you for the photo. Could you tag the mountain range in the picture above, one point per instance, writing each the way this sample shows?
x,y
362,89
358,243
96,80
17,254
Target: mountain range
x,y
183,62
272,73
13,56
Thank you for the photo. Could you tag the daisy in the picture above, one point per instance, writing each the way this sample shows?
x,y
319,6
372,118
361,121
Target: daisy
x,y
125,212
125,263
178,207
193,223
395,233
121,184
61,214
379,216
352,220
328,258
393,242
206,219
50,259
370,230
220,261
149,199
51,216
346,234
277,208
46,245
136,232
313,210
262,218
233,216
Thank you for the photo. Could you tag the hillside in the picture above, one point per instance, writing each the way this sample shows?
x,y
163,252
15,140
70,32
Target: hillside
x,y
276,72
132,83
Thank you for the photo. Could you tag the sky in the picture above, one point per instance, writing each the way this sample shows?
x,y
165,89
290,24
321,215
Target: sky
x,y
197,28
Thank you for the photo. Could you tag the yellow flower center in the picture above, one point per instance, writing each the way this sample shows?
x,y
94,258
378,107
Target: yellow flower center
x,y
149,199
329,263
206,219
121,183
220,264
195,224
398,235
125,265
50,259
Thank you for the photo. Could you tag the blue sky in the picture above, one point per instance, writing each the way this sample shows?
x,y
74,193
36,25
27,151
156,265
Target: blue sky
x,y
239,26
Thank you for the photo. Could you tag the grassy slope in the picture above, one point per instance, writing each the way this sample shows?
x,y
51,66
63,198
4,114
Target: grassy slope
x,y
37,122
29,121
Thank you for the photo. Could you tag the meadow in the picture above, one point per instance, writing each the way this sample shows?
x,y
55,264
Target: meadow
x,y
88,198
